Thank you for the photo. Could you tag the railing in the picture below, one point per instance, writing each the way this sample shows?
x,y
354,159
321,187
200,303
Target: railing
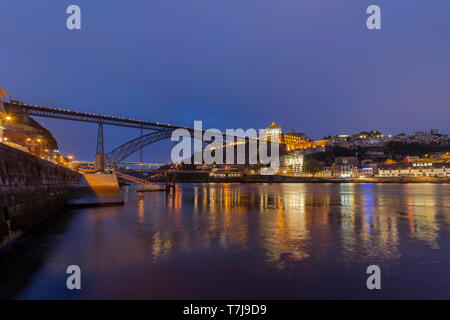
x,y
67,114
131,178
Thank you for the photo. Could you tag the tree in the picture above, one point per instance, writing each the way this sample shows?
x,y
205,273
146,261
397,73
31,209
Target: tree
x,y
390,161
312,166
375,133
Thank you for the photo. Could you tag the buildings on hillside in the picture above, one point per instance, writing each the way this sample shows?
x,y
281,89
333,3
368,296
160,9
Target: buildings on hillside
x,y
374,163
376,139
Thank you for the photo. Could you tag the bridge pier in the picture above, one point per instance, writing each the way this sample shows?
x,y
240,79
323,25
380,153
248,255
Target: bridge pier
x,y
141,150
169,184
99,164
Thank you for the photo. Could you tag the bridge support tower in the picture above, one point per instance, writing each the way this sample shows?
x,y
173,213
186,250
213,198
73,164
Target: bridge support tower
x,y
100,154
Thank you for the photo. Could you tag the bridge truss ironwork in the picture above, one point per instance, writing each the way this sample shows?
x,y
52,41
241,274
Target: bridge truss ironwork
x,y
125,150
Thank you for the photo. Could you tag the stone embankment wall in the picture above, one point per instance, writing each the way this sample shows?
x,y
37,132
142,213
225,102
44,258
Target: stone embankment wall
x,y
31,190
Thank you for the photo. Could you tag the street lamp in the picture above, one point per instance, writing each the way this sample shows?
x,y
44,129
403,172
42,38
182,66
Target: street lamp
x,y
7,118
38,140
3,95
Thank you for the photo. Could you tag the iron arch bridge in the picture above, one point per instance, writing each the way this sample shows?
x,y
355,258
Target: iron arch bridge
x,y
125,150
159,131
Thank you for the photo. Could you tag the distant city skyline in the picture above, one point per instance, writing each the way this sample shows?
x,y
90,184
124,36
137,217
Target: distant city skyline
x,y
307,65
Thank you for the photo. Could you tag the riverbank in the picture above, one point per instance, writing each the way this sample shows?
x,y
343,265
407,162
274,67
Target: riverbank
x,y
205,177
95,190
31,190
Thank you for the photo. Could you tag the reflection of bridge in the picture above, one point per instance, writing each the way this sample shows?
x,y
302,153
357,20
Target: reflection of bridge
x,y
158,131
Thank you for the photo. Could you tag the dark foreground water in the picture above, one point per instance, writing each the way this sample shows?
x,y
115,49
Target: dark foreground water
x,y
214,241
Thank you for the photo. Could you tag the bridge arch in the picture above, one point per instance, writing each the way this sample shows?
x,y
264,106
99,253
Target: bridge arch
x,y
128,148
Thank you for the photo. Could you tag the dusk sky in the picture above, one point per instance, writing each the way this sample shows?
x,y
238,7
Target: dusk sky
x,y
311,65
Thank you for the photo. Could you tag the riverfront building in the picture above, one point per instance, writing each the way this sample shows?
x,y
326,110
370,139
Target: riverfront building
x,y
346,167
292,162
419,169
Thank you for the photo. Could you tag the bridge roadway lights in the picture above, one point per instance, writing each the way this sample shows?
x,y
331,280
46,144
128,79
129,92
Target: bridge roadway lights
x,y
99,162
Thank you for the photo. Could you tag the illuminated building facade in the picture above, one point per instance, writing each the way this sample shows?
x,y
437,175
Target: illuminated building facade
x,y
292,140
292,162
415,170
273,133
346,167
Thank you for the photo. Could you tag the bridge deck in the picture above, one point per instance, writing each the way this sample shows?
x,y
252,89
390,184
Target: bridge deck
x,y
67,114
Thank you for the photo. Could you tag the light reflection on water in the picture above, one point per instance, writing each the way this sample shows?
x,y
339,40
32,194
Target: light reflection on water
x,y
290,216
256,241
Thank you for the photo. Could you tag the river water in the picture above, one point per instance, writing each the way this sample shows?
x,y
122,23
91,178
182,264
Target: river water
x,y
260,241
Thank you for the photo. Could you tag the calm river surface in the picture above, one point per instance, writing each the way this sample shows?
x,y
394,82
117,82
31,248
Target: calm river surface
x,y
218,241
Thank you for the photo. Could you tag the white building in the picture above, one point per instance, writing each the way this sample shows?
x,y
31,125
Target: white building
x,y
418,169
